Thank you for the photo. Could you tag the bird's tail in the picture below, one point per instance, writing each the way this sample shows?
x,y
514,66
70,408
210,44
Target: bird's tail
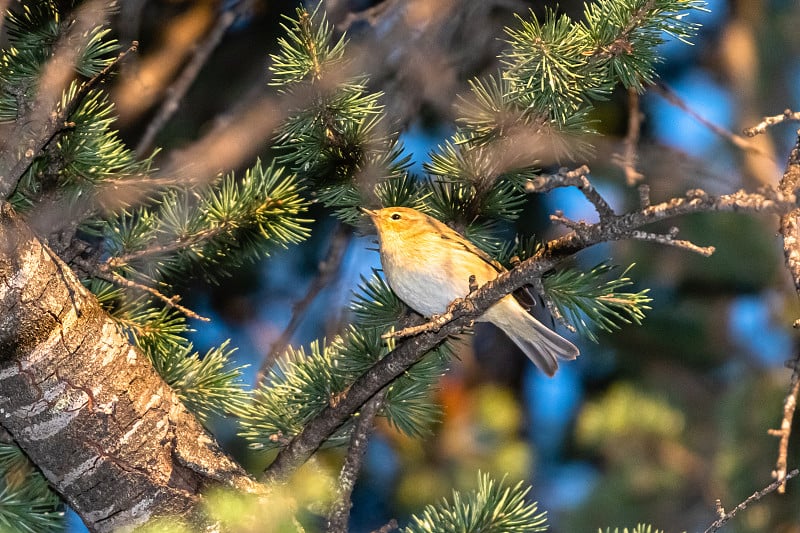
x,y
542,345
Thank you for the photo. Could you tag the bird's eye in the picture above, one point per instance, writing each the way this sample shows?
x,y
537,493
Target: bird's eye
x,y
396,216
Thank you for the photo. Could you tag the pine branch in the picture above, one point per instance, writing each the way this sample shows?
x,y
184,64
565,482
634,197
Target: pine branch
x,y
492,507
49,130
340,514
408,352
234,220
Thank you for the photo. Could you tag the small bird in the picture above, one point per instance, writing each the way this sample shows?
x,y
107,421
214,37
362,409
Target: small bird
x,y
428,265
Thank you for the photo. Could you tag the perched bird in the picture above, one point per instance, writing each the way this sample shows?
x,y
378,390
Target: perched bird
x,y
428,265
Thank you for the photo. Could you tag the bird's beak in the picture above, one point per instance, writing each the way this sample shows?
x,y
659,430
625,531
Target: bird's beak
x,y
369,212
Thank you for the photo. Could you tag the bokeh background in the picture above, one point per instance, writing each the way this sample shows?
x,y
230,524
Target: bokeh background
x,y
652,423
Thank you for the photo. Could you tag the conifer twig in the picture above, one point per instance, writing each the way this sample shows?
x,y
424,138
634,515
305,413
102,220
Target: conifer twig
x,y
736,140
628,158
768,122
328,268
725,516
340,514
56,123
178,89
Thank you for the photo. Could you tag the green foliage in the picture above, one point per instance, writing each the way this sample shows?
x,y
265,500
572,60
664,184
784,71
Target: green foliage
x,y
298,387
558,67
86,152
375,305
306,52
493,507
214,229
337,139
26,502
207,384
587,299
34,31
301,385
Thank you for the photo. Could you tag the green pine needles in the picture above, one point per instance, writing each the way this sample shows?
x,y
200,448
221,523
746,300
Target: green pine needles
x,y
587,299
493,506
26,502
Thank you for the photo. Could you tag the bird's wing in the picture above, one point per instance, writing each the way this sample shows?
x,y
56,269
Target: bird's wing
x,y
456,238
523,295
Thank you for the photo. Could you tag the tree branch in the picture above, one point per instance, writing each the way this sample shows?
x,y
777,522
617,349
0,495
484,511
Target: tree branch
x,y
463,312
790,231
340,514
180,86
41,132
768,122
724,517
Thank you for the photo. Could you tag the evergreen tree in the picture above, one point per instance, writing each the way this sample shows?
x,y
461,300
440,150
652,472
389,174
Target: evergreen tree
x,y
335,148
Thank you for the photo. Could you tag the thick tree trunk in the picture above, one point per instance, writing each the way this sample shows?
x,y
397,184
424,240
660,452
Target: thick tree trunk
x,y
87,407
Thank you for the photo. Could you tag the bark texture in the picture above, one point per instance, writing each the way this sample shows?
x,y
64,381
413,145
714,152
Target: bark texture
x,y
87,407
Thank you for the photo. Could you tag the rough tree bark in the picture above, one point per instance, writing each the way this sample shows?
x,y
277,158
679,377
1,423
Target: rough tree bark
x,y
87,407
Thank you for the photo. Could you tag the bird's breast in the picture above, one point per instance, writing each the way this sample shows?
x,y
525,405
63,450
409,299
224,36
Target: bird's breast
x,y
428,280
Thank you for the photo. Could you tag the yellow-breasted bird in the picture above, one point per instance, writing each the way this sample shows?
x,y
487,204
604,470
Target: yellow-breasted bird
x,y
428,265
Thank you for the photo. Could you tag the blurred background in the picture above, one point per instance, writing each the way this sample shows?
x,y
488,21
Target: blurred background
x,y
652,423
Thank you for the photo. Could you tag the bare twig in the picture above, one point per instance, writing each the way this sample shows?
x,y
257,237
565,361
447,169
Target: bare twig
x,y
328,268
627,160
340,514
789,405
768,122
670,240
178,89
725,516
573,178
113,277
737,140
